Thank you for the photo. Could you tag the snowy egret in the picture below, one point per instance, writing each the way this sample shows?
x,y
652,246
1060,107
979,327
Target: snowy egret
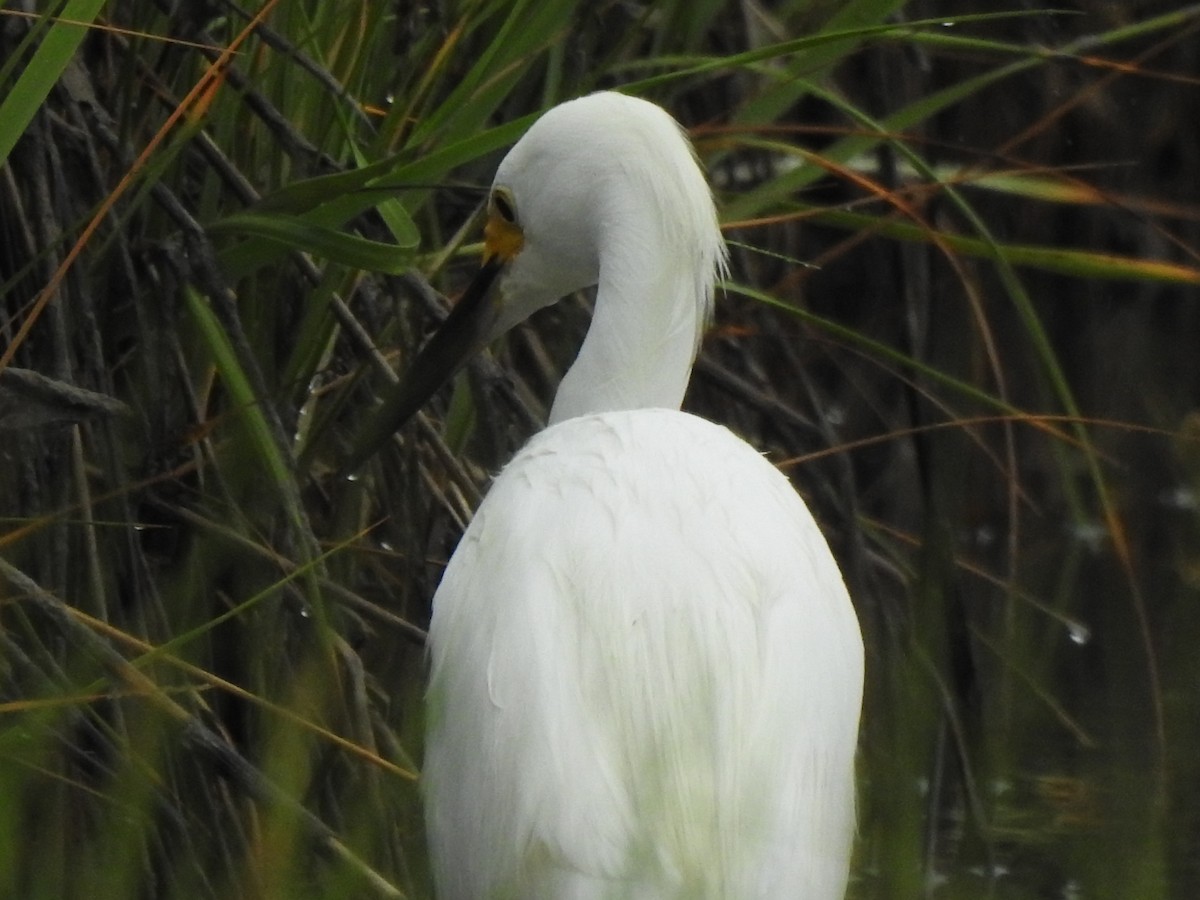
x,y
646,672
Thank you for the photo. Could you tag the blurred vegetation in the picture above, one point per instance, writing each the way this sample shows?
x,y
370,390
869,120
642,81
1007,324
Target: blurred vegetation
x,y
963,314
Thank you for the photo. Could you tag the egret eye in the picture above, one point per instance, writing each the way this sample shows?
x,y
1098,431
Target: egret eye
x,y
502,204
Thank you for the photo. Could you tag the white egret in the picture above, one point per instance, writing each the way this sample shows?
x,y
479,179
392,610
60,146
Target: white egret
x,y
646,672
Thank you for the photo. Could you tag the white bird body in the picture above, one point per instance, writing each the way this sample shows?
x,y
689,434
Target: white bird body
x,y
646,672
662,699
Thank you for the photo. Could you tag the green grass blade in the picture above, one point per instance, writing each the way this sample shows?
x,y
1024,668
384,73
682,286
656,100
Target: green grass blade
x,y
45,68
1061,260
238,384
295,233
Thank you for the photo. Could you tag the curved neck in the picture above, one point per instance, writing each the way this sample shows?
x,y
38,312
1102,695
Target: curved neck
x,y
639,350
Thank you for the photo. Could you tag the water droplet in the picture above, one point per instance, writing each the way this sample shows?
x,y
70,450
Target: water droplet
x,y
1178,497
1078,632
1091,534
992,871
935,880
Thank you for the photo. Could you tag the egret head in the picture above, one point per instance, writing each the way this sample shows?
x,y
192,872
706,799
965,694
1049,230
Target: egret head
x,y
604,180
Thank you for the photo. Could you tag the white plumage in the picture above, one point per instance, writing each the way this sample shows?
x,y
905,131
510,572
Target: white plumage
x,y
646,671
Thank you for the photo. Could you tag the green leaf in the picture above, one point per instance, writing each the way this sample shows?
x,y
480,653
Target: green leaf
x,y
44,70
238,384
296,233
330,200
1062,260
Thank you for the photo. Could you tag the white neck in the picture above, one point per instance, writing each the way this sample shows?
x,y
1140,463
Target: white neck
x,y
642,342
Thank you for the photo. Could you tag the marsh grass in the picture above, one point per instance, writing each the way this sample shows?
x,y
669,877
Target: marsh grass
x,y
962,314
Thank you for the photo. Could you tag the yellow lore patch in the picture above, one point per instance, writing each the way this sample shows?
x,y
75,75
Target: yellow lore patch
x,y
501,238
